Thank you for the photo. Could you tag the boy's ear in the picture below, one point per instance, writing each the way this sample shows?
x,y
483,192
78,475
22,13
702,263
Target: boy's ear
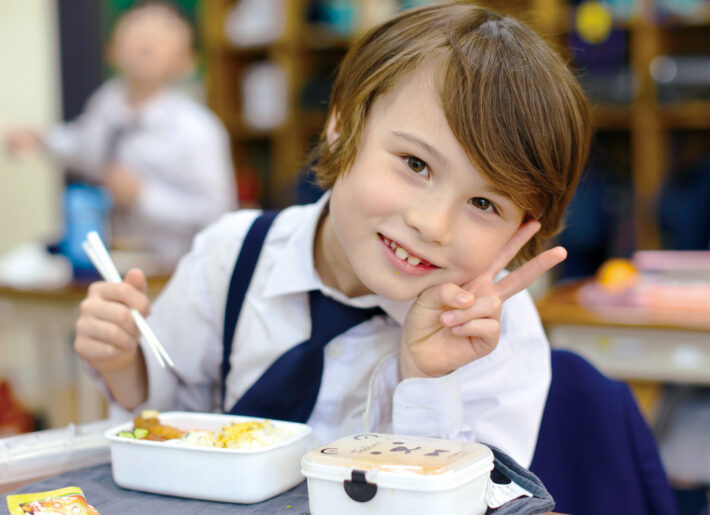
x,y
332,130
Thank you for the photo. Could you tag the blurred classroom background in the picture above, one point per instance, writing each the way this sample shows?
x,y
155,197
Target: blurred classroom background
x,y
634,295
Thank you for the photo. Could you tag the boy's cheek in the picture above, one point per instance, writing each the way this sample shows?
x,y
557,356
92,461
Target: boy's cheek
x,y
383,194
368,196
470,264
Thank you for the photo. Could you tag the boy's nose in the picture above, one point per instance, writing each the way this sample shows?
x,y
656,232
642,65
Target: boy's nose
x,y
432,220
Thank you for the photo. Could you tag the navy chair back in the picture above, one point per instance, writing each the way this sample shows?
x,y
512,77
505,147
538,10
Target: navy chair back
x,y
595,453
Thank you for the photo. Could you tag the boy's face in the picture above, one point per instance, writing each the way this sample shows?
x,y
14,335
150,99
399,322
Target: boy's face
x,y
151,46
413,212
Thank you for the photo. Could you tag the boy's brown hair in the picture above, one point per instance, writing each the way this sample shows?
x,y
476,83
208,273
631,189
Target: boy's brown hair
x,y
168,7
511,102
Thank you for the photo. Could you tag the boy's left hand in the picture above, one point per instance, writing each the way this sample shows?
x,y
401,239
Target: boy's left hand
x,y
123,183
449,326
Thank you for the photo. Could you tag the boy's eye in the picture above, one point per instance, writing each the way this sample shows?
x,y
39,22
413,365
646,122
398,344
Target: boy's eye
x,y
482,203
417,165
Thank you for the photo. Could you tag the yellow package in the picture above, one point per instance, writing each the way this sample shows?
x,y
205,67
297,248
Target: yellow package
x,y
69,501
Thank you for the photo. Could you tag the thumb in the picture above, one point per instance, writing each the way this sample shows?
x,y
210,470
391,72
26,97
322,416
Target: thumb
x,y
136,278
447,295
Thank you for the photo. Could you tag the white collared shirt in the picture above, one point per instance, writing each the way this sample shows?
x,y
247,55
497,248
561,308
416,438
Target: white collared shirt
x,y
179,149
497,399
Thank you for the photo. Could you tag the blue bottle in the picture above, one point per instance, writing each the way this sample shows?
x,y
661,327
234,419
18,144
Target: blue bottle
x,y
86,208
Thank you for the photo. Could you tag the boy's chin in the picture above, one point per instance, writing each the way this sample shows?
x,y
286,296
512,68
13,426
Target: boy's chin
x,y
393,289
143,77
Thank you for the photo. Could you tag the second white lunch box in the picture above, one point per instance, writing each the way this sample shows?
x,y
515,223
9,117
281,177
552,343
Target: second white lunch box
x,y
389,474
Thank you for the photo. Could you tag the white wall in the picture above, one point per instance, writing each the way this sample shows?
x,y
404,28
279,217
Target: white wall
x,y
29,96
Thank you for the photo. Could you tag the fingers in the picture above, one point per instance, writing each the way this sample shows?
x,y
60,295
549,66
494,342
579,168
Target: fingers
x,y
484,329
107,321
111,312
484,307
106,334
447,295
136,278
131,292
104,356
516,242
95,351
530,272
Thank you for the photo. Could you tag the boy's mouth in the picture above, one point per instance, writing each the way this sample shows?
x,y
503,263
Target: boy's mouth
x,y
405,255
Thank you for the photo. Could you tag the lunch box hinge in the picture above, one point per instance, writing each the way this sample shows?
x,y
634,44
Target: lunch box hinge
x,y
357,487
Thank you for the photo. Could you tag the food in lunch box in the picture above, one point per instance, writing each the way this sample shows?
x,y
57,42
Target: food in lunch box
x,y
251,434
69,500
156,431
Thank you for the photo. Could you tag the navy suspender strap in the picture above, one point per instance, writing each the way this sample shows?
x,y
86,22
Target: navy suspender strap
x,y
288,388
239,284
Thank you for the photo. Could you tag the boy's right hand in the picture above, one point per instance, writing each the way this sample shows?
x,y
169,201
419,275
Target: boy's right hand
x,y
22,141
106,335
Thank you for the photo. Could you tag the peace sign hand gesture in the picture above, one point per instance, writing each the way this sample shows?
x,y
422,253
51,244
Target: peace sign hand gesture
x,y
451,325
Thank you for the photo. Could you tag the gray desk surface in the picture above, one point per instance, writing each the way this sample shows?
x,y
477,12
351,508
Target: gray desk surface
x,y
109,499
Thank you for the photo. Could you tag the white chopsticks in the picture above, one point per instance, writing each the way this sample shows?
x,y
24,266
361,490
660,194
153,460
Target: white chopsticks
x,y
99,256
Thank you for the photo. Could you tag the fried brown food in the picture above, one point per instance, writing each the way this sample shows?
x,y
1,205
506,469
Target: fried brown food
x,y
156,430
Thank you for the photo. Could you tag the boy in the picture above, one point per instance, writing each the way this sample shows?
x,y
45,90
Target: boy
x,y
454,141
165,159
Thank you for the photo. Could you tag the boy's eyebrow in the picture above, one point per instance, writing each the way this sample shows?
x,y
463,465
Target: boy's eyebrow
x,y
421,143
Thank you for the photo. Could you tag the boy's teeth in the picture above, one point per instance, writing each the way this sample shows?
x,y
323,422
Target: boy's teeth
x,y
401,253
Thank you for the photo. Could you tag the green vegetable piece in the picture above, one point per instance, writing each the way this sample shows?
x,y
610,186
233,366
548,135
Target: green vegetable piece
x,y
125,434
140,433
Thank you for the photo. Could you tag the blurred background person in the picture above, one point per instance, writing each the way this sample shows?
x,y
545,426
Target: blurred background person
x,y
164,158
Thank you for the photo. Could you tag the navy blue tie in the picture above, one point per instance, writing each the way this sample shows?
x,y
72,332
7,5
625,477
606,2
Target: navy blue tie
x,y
289,388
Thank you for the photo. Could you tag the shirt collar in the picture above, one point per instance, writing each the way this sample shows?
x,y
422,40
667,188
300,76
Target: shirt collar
x,y
295,272
151,110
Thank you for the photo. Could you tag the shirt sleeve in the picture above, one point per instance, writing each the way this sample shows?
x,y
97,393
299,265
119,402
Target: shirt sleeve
x,y
497,399
80,144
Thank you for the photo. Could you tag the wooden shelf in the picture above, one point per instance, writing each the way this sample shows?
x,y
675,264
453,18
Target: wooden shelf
x,y
241,131
688,115
683,23
611,117
318,38
307,50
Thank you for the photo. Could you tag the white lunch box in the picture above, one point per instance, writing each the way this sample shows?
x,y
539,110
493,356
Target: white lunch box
x,y
228,475
389,474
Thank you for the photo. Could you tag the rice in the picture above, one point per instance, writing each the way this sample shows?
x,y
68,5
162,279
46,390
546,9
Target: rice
x,y
252,434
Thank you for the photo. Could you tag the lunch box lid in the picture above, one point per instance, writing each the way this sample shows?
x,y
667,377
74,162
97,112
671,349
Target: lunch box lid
x,y
398,461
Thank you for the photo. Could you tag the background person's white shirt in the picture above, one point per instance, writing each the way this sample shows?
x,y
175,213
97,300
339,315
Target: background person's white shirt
x,y
178,148
497,399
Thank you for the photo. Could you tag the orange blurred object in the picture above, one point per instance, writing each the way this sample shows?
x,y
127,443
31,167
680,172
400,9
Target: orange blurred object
x,y
14,418
617,274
